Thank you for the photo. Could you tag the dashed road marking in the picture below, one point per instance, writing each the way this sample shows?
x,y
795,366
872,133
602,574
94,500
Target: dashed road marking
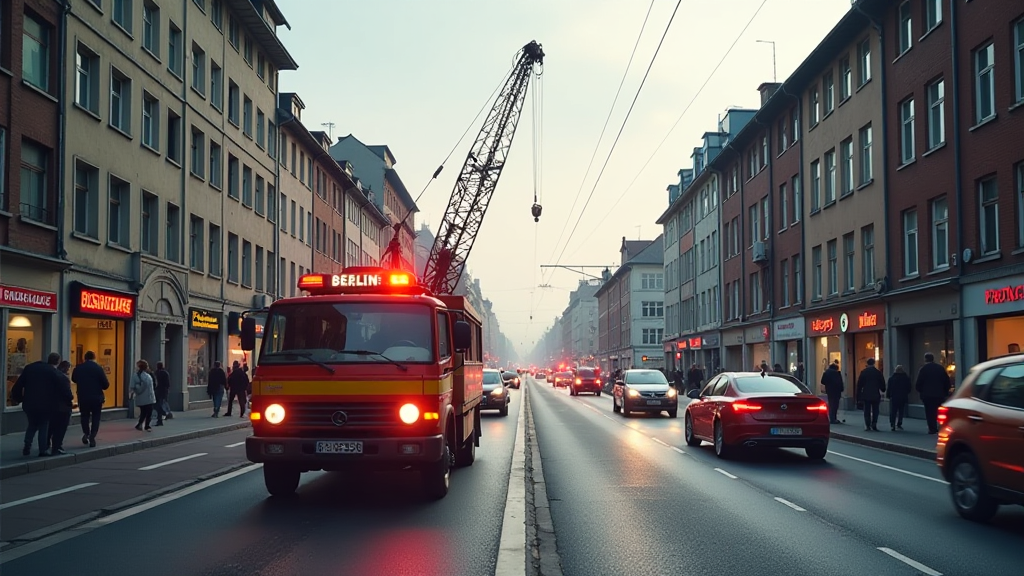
x,y
235,445
726,474
46,495
900,470
665,444
790,504
169,462
678,449
911,562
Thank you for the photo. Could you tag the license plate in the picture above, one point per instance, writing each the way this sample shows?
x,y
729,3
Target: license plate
x,y
654,402
349,447
787,431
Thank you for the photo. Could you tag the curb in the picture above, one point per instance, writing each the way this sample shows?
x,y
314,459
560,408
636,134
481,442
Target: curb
x,y
925,453
39,465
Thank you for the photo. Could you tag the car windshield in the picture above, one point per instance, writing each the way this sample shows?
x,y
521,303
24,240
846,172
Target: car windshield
x,y
770,384
646,377
563,375
363,332
491,378
586,373
509,375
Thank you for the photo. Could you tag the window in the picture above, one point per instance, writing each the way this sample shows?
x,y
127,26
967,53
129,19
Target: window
x,y
932,14
150,222
652,281
247,116
830,176
198,69
755,224
984,83
151,28
271,203
798,278
866,159
1018,57
121,14
756,294
867,242
214,253
217,14
246,263
258,269
816,264
232,258
766,228
261,66
216,166
828,89
798,199
87,79
271,139
174,48
849,261
815,186
796,128
833,268
246,186
86,200
35,187
907,131
261,123
864,62
35,52
247,54
196,244
940,234
906,29
845,79
1020,198
785,282
271,273
173,233
198,166
233,32
234,177
120,101
118,212
216,86
150,121
783,207
174,137
652,335
652,309
295,216
846,169
259,204
988,193
815,107
936,114
910,243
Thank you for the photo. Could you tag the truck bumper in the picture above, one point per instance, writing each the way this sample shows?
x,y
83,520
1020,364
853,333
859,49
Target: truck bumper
x,y
380,453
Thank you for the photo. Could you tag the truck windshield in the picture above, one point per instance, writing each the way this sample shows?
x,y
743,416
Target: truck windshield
x,y
356,332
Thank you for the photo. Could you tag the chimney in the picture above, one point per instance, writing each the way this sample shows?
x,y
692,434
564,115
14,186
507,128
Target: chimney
x,y
767,90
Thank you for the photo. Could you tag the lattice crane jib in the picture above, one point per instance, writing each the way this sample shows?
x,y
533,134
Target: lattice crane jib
x,y
479,176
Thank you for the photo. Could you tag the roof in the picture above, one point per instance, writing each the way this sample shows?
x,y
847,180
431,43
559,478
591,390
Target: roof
x,y
391,175
652,254
634,247
265,36
686,194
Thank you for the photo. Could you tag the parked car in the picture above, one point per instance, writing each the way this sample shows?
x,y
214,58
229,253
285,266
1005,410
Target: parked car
x,y
980,447
511,379
641,390
587,380
495,393
562,379
757,409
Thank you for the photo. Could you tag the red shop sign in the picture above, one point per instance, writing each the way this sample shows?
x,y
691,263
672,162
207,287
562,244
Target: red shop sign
x,y
24,298
681,345
86,300
1005,295
695,343
823,325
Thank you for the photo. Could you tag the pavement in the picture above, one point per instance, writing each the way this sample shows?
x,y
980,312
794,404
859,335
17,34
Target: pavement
x,y
913,440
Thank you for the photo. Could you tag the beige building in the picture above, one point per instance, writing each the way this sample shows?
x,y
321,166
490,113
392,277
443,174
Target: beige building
x,y
170,154
297,178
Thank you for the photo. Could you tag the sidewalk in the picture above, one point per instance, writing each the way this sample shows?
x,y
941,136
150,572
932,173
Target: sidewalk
x,y
913,440
117,436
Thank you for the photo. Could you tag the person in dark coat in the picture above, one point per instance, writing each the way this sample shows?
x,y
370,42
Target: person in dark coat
x,y
238,385
832,380
61,416
215,385
91,380
933,386
870,386
899,393
799,374
163,389
38,391
694,378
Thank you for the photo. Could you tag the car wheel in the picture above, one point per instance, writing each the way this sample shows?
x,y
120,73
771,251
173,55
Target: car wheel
x,y
625,407
673,413
816,452
504,410
691,438
281,480
721,449
437,476
970,494
466,455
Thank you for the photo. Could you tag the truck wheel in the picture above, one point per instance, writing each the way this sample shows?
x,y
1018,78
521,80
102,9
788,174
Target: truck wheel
x,y
437,476
467,453
281,480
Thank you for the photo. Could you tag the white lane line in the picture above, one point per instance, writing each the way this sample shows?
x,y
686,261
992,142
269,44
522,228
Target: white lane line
x,y
665,444
726,474
512,544
790,504
678,449
169,462
911,562
901,471
46,495
235,444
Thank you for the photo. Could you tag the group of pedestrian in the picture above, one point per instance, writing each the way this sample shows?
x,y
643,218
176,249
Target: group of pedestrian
x,y
932,384
235,382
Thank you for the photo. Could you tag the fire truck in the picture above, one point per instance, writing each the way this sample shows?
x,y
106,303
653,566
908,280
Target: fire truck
x,y
373,368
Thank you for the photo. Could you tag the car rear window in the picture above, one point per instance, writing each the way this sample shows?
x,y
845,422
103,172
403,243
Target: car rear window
x,y
585,373
564,375
492,378
757,384
651,377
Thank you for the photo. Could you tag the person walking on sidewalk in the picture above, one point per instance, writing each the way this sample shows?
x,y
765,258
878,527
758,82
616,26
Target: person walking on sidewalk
x,y
870,385
61,416
899,392
694,378
91,380
145,396
832,380
37,390
163,389
238,385
933,386
215,385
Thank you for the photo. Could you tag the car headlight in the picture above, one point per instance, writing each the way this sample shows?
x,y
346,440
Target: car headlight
x,y
497,392
633,393
671,393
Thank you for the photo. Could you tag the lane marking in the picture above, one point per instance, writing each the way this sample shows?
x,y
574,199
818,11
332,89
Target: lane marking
x,y
678,449
235,444
512,543
665,444
911,562
790,504
900,470
169,462
726,474
47,495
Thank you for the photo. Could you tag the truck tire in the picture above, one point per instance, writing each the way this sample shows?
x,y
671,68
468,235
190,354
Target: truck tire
x,y
281,480
437,476
467,452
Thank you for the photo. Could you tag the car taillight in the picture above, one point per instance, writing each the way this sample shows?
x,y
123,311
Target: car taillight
x,y
943,416
597,380
578,381
745,407
822,407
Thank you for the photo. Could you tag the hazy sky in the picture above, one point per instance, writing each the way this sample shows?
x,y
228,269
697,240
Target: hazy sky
x,y
413,73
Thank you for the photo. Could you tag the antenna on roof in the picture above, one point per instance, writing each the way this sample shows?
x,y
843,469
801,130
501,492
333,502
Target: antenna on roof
x,y
330,129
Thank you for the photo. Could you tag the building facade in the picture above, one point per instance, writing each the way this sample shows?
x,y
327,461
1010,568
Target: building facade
x,y
579,324
631,318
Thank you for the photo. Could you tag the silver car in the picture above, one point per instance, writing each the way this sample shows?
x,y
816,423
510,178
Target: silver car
x,y
495,393
644,391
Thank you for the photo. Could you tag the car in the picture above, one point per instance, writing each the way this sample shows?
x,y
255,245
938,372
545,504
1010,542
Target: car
x,y
757,409
587,380
540,376
511,379
980,448
640,390
562,379
495,393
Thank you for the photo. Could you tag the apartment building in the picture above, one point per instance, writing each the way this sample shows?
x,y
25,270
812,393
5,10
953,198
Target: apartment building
x,y
578,324
630,302
170,152
31,248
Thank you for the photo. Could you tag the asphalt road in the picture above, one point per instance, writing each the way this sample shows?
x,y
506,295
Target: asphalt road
x,y
629,497
337,525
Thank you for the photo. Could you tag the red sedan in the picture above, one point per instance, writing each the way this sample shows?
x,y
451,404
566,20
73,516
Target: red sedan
x,y
754,409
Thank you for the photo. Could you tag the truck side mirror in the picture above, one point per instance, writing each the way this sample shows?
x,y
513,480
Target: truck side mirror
x,y
248,335
463,335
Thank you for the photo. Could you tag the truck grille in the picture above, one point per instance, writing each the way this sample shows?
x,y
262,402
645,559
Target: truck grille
x,y
357,414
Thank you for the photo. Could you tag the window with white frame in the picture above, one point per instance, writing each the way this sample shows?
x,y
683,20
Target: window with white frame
x,y
846,168
261,127
120,101
35,52
1020,202
833,267
198,164
910,245
119,212
87,79
906,30
196,243
259,205
652,281
866,158
151,28
216,86
907,131
234,178
1018,59
814,110
940,234
198,69
828,89
246,186
35,186
815,186
984,83
845,78
798,199
87,200
864,61
830,176
867,260
932,14
936,114
174,137
150,223
150,121
798,279
174,50
121,14
816,271
652,309
247,116
652,335
988,196
216,165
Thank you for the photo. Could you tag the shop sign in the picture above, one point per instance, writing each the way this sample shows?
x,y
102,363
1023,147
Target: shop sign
x,y
203,321
1004,295
683,344
792,329
695,343
86,300
710,341
822,325
15,297
756,334
669,346
862,320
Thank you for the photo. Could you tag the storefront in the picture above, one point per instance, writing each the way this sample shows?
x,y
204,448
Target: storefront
x,y
26,323
924,323
757,347
995,319
100,322
849,337
235,352
732,344
672,357
203,337
788,336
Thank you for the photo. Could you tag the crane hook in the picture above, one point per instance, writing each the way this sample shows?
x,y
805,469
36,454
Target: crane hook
x,y
536,210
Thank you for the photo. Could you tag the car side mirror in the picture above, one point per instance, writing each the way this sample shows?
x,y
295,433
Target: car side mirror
x,y
695,394
463,336
248,335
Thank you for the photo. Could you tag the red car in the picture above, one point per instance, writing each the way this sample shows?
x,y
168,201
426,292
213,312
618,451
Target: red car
x,y
755,409
587,380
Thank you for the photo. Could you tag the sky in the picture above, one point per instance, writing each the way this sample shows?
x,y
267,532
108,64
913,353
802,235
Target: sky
x,y
412,74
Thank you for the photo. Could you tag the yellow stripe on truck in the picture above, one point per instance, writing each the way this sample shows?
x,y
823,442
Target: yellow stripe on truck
x,y
355,387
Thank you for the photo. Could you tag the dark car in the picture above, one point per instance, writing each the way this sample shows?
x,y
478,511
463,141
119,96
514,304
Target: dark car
x,y
755,409
511,379
587,380
562,379
495,393
644,391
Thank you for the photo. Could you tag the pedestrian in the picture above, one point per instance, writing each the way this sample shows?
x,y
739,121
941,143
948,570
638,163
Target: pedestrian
x,y
870,385
933,386
778,369
899,393
799,371
694,378
832,380
145,396
37,390
61,416
163,388
91,380
238,385
216,383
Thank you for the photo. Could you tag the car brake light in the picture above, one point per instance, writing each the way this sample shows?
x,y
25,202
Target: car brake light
x,y
597,381
821,407
745,407
943,416
578,381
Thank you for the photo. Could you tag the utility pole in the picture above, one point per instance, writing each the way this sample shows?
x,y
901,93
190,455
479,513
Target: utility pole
x,y
775,77
330,130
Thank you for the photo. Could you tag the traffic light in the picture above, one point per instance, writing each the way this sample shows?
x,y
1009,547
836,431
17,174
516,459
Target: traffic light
x,y
643,358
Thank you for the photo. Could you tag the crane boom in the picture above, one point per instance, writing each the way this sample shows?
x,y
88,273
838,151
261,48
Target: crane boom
x,y
479,177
